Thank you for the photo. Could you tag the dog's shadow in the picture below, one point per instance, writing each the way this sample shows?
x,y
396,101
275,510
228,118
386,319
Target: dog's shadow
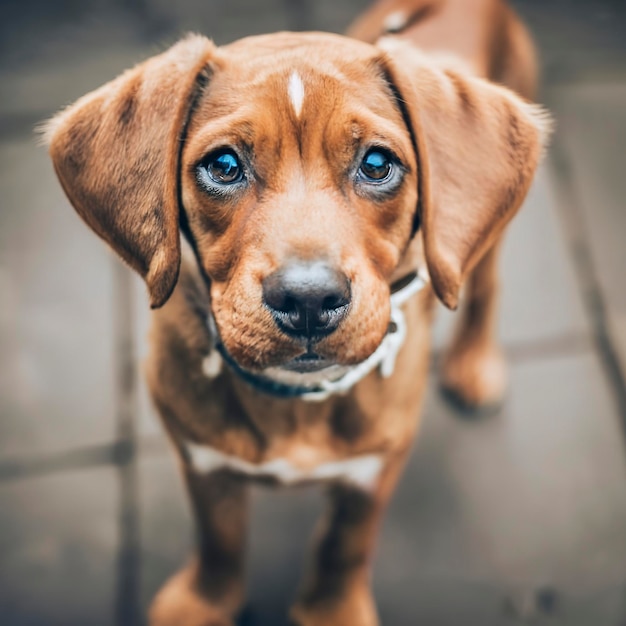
x,y
252,617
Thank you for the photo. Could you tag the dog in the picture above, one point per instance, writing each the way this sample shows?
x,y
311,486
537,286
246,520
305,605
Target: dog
x,y
329,190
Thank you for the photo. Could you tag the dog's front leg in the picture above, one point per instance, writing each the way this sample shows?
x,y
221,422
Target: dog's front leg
x,y
209,591
337,591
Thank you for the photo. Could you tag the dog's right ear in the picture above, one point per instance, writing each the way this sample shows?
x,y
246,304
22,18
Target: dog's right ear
x,y
478,146
117,151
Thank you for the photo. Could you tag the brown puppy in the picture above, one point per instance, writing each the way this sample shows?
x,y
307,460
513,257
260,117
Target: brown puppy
x,y
319,180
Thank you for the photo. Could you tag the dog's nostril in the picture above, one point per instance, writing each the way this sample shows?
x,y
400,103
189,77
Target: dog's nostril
x,y
307,299
334,301
289,306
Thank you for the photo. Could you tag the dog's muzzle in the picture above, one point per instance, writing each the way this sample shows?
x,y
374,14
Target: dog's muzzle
x,y
317,386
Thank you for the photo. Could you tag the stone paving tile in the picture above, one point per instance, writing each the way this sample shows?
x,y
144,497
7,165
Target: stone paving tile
x,y
446,602
491,510
533,495
592,131
56,336
487,513
166,527
58,543
540,297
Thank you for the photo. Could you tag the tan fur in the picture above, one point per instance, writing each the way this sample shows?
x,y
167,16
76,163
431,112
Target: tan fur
x,y
128,153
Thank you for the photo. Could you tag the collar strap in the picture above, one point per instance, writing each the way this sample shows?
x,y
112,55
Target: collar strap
x,y
384,357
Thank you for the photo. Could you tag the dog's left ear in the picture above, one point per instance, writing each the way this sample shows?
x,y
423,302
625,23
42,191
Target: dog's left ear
x,y
478,146
117,150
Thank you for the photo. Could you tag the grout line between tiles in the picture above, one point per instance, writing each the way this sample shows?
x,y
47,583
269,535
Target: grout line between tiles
x,y
520,352
80,458
577,238
127,598
559,346
115,453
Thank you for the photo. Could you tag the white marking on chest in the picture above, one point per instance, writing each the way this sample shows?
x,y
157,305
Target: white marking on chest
x,y
361,471
395,21
212,365
296,92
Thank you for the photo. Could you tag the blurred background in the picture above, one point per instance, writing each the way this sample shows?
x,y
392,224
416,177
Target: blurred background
x,y
515,518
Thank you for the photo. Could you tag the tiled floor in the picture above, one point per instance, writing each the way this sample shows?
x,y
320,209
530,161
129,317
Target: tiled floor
x,y
515,518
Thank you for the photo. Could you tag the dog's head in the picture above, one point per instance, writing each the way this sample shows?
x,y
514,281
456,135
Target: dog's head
x,y
300,166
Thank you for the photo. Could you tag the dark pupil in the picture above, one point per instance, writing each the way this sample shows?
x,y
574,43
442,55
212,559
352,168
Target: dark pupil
x,y
224,168
376,165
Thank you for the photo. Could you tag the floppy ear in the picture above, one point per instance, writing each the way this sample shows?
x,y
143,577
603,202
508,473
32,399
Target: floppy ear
x,y
117,150
478,146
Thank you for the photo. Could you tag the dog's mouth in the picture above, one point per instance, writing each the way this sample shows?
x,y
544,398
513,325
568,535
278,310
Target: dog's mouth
x,y
297,377
307,362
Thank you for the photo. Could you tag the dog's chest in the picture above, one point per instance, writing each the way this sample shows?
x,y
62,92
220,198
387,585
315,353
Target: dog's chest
x,y
361,471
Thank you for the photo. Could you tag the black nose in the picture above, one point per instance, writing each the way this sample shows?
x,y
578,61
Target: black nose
x,y
307,300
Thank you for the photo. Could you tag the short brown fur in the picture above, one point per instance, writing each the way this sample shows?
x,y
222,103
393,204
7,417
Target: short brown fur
x,y
128,156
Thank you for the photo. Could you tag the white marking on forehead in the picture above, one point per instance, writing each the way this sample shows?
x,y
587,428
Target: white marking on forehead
x,y
360,471
395,21
296,92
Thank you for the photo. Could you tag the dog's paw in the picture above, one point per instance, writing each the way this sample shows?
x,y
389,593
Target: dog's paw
x,y
358,609
180,604
475,379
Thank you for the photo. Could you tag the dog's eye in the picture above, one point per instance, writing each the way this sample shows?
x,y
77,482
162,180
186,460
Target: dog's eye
x,y
223,167
376,166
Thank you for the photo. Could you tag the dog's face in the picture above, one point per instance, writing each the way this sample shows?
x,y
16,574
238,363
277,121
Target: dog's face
x,y
300,194
300,165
